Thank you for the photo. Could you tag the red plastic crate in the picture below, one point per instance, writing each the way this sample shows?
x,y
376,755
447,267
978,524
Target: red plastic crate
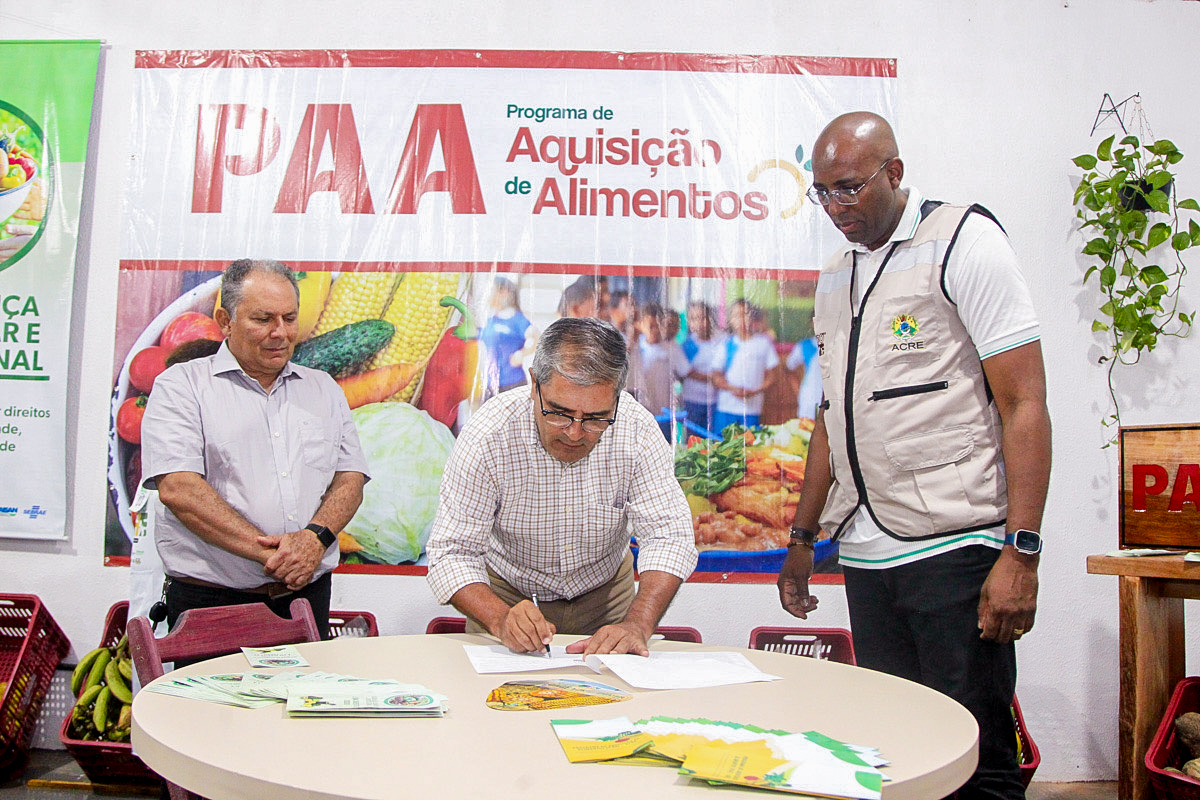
x,y
829,644
109,762
1030,757
1165,751
31,647
352,623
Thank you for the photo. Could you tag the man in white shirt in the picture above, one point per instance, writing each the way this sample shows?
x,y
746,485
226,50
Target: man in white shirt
x,y
256,459
539,498
931,453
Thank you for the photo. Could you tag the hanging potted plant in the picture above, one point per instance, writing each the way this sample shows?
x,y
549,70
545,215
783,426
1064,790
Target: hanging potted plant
x,y
1128,205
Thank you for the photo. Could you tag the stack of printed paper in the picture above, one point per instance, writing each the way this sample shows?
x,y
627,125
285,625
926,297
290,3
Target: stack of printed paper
x,y
323,694
310,693
727,752
225,689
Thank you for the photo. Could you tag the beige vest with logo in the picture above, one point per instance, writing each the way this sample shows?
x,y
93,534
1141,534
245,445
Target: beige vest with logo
x,y
913,434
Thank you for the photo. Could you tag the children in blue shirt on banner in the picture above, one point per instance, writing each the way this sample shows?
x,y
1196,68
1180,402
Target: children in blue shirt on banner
x,y
705,351
749,369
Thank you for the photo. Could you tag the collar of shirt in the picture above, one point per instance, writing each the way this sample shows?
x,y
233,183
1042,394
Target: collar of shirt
x,y
224,361
906,228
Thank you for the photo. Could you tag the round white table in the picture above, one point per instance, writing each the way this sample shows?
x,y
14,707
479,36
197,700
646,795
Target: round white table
x,y
223,752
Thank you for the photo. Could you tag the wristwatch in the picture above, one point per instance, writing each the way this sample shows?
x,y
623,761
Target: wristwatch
x,y
326,536
802,536
1025,541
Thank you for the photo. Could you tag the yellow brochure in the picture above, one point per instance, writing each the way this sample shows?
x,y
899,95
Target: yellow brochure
x,y
598,740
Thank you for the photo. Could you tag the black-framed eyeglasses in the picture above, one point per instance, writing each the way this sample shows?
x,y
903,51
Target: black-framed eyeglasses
x,y
846,196
557,419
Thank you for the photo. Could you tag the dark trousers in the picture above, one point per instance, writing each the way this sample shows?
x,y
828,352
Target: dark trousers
x,y
920,621
182,596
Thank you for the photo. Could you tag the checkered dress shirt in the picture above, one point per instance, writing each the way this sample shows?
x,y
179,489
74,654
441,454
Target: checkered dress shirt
x,y
556,529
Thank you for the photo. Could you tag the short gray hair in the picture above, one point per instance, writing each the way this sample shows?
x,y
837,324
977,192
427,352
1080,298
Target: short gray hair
x,y
585,351
233,279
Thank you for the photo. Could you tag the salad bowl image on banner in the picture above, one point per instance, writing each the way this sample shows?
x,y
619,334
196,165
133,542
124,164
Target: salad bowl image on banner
x,y
24,192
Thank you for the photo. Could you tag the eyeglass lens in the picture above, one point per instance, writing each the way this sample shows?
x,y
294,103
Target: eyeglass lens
x,y
847,196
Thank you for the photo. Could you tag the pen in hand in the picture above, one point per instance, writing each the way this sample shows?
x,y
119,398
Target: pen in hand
x,y
533,597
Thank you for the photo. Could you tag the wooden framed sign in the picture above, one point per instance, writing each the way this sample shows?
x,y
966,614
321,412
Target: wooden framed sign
x,y
1160,486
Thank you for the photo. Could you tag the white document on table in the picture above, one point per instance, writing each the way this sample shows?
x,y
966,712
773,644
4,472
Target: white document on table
x,y
661,670
488,658
672,670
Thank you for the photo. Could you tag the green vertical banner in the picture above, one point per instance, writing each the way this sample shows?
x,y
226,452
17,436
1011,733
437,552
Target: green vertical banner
x,y
45,115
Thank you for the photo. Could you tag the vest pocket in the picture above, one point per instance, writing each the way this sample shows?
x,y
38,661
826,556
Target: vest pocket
x,y
905,391
925,472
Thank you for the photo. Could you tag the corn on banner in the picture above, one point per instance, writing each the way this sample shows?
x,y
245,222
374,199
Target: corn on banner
x,y
45,117
445,206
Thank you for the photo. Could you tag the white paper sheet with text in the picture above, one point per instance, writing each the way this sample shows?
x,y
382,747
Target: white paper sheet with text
x,y
682,670
666,670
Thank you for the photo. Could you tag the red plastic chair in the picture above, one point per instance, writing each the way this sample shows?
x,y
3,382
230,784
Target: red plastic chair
x,y
447,625
678,633
830,644
209,632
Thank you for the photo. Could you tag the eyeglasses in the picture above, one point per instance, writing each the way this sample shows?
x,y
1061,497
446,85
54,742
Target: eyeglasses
x,y
557,419
847,196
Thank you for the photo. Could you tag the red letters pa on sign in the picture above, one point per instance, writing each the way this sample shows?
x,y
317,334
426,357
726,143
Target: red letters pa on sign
x,y
241,140
1160,486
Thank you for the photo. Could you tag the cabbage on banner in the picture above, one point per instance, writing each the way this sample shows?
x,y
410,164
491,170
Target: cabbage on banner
x,y
407,451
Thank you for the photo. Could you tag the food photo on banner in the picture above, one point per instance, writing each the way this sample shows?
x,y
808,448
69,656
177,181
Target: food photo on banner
x,y
45,117
667,197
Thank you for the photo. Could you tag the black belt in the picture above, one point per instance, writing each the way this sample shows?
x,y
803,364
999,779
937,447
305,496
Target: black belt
x,y
269,590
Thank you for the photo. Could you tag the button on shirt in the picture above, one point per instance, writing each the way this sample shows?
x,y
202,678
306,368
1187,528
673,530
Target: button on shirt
x,y
553,528
270,455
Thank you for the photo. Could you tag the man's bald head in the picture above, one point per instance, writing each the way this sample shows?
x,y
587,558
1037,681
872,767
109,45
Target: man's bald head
x,y
856,155
865,133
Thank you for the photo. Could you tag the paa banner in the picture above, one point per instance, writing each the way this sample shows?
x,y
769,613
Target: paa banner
x,y
446,206
45,114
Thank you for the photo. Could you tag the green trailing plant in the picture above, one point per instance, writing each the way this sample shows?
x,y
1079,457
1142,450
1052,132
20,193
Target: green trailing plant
x,y
1128,204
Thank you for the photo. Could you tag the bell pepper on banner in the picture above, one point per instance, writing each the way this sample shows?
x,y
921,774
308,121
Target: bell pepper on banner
x,y
452,376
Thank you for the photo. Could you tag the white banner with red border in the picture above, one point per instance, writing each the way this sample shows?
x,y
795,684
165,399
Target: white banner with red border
x,y
674,179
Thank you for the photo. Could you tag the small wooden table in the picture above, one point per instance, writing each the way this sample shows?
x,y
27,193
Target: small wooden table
x,y
1151,590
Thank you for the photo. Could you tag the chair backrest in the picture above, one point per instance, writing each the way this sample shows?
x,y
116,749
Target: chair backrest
x,y
830,644
209,632
446,625
678,633
352,623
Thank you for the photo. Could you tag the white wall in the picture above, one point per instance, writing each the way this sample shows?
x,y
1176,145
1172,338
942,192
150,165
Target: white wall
x,y
995,99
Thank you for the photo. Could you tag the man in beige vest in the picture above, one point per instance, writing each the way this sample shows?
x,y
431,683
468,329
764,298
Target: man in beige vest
x,y
931,454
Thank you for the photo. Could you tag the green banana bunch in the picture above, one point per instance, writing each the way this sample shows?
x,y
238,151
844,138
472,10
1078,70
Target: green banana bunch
x,y
101,683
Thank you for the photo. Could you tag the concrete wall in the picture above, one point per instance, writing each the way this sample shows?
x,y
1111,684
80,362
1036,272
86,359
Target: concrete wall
x,y
995,99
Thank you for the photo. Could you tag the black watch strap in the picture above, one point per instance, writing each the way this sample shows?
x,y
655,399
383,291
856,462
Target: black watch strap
x,y
802,536
326,536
